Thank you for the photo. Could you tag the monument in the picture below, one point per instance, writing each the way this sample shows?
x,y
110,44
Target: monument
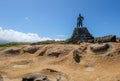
x,y
80,21
80,33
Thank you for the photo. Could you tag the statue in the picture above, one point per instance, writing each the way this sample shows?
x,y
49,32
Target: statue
x,y
80,21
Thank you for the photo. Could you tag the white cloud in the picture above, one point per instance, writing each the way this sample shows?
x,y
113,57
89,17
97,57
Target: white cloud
x,y
9,35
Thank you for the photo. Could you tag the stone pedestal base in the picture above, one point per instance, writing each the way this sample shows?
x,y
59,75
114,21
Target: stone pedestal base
x,y
80,35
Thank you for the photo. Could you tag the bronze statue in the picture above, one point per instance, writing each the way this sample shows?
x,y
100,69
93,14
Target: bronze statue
x,y
80,21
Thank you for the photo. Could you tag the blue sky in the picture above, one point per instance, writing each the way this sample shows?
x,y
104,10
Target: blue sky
x,y
56,19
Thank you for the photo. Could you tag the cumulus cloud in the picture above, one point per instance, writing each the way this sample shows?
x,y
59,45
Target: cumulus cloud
x,y
10,35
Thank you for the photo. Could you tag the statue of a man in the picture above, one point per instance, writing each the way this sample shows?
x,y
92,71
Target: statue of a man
x,y
80,21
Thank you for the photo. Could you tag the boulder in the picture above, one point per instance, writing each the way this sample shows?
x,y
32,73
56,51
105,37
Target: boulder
x,y
99,47
80,35
35,77
109,38
30,49
12,51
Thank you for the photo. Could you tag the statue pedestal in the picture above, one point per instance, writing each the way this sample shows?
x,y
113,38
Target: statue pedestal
x,y
80,35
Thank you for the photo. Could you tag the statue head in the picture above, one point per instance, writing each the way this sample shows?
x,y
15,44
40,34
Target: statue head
x,y
79,15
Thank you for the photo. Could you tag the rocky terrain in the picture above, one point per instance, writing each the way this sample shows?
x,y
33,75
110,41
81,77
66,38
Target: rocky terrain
x,y
61,62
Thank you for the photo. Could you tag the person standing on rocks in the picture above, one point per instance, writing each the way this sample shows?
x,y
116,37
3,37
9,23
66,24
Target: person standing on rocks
x,y
80,21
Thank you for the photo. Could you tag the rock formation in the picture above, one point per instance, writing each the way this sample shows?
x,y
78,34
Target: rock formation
x,y
31,49
76,56
35,77
74,63
99,47
108,38
80,35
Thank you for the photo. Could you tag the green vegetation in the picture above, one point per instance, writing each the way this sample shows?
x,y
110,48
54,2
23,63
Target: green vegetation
x,y
50,42
36,43
12,44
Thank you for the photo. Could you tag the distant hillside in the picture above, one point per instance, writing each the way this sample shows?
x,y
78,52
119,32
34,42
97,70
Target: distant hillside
x,y
13,44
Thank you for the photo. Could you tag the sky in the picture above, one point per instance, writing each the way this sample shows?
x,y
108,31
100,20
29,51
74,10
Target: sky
x,y
37,20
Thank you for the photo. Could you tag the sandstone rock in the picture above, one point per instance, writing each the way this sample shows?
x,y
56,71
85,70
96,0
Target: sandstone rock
x,y
76,56
12,51
49,71
41,79
80,35
56,54
30,49
35,77
109,38
114,53
82,48
58,51
42,52
99,47
54,51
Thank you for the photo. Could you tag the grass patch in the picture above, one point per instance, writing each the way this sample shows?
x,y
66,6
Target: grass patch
x,y
49,42
13,44
36,43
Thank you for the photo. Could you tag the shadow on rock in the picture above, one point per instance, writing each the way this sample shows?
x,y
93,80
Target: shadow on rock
x,y
77,56
12,51
31,49
35,77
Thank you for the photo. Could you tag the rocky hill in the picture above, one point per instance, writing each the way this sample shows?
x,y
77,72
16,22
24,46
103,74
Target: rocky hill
x,y
61,62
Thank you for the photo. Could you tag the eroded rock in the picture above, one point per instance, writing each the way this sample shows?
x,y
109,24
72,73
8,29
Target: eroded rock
x,y
76,56
99,47
13,51
30,49
35,77
54,51
109,38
